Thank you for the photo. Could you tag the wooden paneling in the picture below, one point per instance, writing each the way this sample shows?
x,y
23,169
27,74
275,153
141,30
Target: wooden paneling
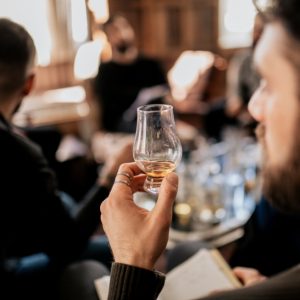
x,y
54,76
165,28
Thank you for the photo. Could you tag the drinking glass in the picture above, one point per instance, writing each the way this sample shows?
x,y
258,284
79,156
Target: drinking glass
x,y
157,149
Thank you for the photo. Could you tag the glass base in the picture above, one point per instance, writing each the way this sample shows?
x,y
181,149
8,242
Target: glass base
x,y
152,185
144,200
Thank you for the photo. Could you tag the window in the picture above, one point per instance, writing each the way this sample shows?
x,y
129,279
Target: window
x,y
35,21
236,19
58,27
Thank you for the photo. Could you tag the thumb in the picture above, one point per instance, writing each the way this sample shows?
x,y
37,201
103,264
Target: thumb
x,y
166,197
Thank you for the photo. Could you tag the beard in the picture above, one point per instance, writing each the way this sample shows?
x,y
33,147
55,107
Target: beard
x,y
17,108
123,47
281,184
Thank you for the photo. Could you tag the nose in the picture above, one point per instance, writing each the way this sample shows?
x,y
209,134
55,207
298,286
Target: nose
x,y
256,106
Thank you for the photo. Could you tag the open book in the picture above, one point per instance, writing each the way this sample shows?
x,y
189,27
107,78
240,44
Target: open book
x,y
201,274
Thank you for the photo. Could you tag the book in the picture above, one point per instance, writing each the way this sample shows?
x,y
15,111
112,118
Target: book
x,y
203,273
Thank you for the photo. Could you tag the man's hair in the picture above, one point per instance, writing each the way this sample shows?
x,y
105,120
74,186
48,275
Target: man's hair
x,y
111,20
286,11
17,55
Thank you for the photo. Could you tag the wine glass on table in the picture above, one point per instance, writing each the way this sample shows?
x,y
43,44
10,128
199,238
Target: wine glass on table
x,y
157,149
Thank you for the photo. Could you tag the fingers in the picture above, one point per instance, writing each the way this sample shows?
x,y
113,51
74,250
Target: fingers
x,y
129,180
167,194
248,276
130,168
138,183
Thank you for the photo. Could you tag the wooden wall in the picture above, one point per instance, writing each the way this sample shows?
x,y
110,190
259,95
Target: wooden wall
x,y
165,28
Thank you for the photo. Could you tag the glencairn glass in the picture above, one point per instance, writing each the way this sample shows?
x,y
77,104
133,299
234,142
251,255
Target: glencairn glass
x,y
157,149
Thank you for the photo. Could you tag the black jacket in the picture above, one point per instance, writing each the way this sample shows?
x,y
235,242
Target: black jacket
x,y
32,216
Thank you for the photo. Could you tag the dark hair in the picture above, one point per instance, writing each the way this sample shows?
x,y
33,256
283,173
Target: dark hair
x,y
111,20
287,11
17,54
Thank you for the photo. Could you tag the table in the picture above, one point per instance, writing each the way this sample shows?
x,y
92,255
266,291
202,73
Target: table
x,y
218,190
53,107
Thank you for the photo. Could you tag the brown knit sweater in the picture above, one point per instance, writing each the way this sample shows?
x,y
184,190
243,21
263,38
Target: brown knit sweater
x,y
132,283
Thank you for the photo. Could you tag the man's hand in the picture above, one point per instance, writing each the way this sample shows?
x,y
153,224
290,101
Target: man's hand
x,y
114,160
137,237
248,276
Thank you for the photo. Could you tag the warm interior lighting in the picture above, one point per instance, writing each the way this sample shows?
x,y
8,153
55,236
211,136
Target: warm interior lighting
x,y
75,94
99,9
53,107
239,16
236,19
35,21
79,21
186,72
87,59
263,4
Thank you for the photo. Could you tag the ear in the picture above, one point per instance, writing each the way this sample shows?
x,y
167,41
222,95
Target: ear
x,y
28,84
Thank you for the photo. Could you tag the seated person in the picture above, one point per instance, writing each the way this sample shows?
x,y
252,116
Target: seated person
x,y
120,80
34,219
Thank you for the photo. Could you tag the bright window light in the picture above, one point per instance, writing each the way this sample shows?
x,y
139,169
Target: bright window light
x,y
186,71
35,21
79,21
74,94
99,9
236,19
87,59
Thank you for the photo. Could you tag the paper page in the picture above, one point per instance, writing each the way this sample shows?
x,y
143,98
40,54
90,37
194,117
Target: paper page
x,y
196,277
102,287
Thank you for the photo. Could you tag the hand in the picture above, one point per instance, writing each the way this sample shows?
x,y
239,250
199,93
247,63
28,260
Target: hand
x,y
137,237
112,163
248,276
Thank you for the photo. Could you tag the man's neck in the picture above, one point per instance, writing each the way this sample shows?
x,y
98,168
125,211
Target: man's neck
x,y
125,58
8,108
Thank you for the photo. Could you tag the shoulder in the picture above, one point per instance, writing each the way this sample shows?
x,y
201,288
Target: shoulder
x,y
107,69
19,148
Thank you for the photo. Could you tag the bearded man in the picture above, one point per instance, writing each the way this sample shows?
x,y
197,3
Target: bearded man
x,y
137,241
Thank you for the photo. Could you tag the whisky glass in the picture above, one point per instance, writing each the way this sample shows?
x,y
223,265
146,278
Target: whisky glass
x,y
157,149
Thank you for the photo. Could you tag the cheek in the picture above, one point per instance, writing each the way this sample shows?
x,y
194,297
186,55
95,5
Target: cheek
x,y
280,130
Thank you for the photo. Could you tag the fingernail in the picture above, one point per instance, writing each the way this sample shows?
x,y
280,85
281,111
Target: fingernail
x,y
172,178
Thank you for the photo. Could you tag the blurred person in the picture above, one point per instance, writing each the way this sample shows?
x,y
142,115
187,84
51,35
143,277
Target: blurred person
x,y
137,242
39,234
275,105
242,78
121,79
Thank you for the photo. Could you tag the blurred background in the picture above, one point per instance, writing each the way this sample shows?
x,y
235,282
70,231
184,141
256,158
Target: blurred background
x,y
199,46
71,44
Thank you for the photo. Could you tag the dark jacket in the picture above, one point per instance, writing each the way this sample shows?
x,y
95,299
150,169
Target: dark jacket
x,y
33,218
117,87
